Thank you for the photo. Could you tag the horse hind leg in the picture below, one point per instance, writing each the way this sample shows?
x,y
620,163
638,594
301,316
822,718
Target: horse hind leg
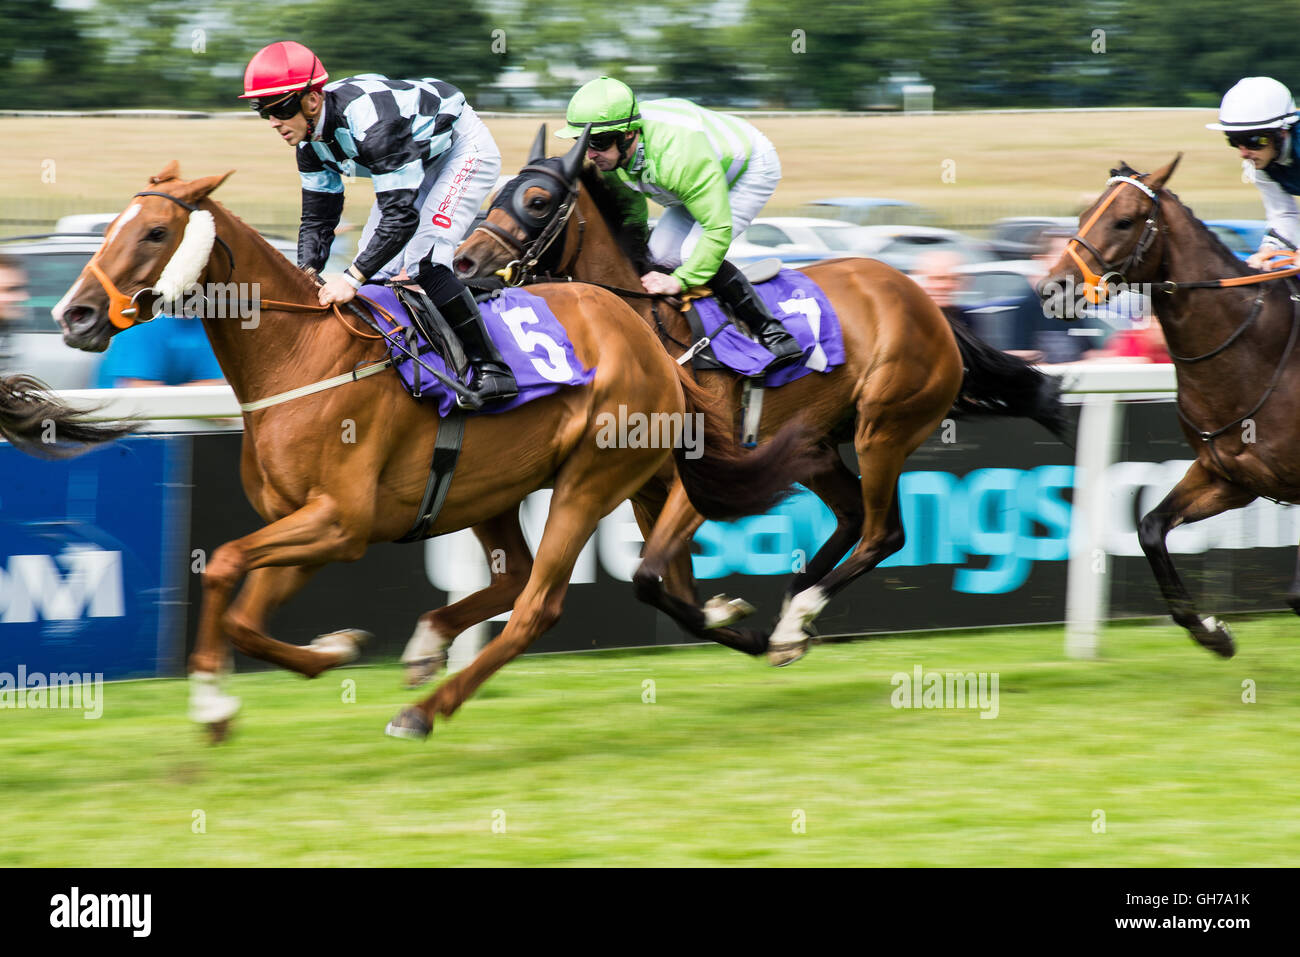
x,y
881,462
1198,495
509,562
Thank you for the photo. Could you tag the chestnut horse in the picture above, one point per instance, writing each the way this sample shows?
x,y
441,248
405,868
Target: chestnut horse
x,y
333,471
902,374
1231,332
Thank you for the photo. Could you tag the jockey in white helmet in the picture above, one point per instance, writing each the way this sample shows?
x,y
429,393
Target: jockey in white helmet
x,y
1258,116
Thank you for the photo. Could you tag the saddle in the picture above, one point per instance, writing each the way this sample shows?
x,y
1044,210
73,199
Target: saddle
x,y
756,272
436,337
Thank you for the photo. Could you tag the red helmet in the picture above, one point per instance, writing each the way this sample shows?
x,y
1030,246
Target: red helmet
x,y
284,67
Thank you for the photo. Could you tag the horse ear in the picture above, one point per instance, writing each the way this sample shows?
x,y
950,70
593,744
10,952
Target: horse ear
x,y
171,171
538,152
573,159
197,190
1161,176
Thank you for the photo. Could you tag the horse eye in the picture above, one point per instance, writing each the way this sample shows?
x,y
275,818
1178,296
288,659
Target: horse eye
x,y
1125,223
156,235
537,202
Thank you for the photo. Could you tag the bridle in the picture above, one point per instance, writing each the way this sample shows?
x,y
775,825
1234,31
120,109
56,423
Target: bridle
x,y
122,309
527,256
1095,287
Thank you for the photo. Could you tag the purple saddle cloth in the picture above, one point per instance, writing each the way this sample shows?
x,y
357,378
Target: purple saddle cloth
x,y
806,313
529,337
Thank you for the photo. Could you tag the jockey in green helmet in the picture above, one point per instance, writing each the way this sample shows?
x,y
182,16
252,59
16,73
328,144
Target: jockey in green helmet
x,y
713,173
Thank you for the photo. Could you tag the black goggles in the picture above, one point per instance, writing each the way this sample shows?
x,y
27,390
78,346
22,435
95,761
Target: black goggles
x,y
1252,141
283,108
603,141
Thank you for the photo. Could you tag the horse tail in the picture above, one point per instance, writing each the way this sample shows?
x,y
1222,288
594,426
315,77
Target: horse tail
x,y
40,424
725,481
999,384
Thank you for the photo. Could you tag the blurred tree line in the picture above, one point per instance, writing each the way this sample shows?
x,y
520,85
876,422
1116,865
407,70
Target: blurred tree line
x,y
70,54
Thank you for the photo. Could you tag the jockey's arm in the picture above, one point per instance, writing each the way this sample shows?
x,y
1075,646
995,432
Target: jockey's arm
x,y
397,179
322,206
1282,215
697,179
632,206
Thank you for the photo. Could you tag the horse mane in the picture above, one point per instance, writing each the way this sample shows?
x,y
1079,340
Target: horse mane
x,y
631,241
303,283
1217,244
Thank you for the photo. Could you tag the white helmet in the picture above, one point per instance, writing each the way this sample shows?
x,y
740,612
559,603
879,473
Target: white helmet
x,y
1255,103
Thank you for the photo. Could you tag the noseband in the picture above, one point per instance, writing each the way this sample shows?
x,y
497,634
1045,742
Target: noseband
x,y
1095,286
122,309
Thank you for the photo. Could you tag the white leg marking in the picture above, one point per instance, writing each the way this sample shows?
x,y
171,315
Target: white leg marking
x,y
720,611
208,704
803,608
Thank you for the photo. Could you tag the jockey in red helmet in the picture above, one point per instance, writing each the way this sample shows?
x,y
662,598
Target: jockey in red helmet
x,y
432,162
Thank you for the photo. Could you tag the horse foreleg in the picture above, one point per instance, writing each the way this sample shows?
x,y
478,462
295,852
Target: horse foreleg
x,y
510,563
1199,494
312,536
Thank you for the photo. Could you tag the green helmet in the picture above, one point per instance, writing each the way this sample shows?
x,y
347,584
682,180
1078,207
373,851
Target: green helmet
x,y
605,103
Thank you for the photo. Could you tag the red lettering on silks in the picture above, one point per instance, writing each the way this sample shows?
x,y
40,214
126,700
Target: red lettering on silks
x,y
455,191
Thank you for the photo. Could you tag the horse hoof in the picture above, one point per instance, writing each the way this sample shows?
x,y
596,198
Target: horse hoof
x,y
721,611
786,653
421,672
411,724
1218,638
346,644
218,731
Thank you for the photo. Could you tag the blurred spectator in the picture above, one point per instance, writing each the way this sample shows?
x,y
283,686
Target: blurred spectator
x,y
13,287
1144,342
939,274
170,350
1035,335
13,293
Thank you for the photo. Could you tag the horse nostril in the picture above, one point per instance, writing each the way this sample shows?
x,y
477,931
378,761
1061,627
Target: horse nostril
x,y
78,315
464,264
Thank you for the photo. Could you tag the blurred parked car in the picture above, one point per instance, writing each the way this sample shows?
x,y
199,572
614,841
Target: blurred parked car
x,y
1242,236
872,211
1021,237
900,246
805,238
33,343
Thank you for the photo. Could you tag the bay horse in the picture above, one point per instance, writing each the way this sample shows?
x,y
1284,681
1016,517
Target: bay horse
x,y
906,366
1231,332
336,470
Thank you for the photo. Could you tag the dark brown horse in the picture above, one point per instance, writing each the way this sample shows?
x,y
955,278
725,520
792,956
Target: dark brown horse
x,y
333,471
1232,338
902,374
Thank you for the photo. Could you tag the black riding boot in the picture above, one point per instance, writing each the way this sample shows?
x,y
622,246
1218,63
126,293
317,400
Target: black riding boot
x,y
731,286
491,379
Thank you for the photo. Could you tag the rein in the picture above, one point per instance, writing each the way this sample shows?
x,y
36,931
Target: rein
x,y
1095,292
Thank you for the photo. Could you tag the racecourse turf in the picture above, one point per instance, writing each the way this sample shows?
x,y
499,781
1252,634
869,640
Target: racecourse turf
x,y
560,761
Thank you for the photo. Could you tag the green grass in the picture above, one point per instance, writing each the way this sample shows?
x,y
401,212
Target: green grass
x,y
1155,734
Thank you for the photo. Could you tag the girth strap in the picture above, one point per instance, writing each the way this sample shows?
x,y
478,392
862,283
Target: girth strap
x,y
446,453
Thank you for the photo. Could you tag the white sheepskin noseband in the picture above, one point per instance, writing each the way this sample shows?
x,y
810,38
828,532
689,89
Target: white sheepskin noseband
x,y
183,269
